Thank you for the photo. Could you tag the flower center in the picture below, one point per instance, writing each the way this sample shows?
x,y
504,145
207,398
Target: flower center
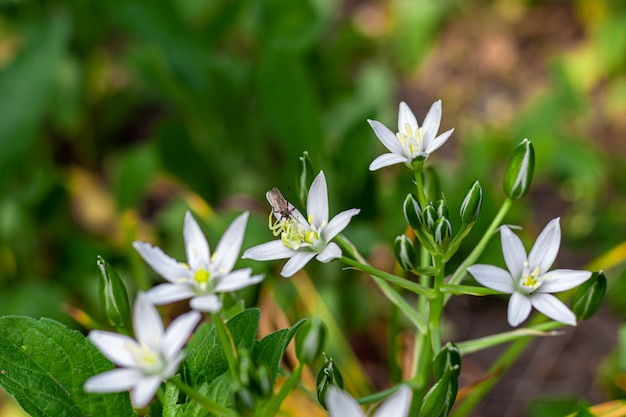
x,y
149,361
202,278
531,280
412,142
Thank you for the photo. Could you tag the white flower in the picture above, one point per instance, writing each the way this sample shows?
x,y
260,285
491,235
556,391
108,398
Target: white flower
x,y
302,239
204,274
341,404
528,280
411,142
143,363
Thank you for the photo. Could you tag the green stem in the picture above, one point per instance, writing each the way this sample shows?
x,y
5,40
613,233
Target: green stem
x,y
392,295
228,346
480,247
419,184
399,281
436,308
206,403
271,407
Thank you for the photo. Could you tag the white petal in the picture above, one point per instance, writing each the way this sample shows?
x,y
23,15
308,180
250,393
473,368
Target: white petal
x,y
114,346
563,279
553,308
317,201
144,391
165,266
431,124
147,323
387,137
237,280
341,404
338,223
113,381
406,116
330,252
513,252
519,309
210,303
397,405
438,142
178,332
386,160
269,251
296,263
227,250
492,277
169,293
546,247
196,246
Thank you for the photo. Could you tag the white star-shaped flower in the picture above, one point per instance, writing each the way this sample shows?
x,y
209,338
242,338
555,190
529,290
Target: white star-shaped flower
x,y
528,279
341,404
143,363
204,275
412,141
302,238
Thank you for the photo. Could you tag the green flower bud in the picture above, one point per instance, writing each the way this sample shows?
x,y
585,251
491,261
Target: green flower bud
x,y
519,172
430,217
448,358
405,253
441,234
310,340
471,204
113,297
442,208
588,296
432,184
328,376
305,177
264,381
246,368
244,402
446,368
412,211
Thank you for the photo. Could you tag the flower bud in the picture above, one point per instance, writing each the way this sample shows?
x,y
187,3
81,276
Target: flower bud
x,y
432,184
519,172
472,203
442,208
113,297
405,253
263,381
328,376
449,357
412,211
305,177
430,217
310,340
441,234
588,296
446,368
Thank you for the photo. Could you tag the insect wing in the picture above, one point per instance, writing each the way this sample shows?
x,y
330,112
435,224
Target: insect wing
x,y
276,200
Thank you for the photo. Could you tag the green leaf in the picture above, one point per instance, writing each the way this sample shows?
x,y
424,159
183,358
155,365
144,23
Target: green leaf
x,y
270,349
44,366
207,361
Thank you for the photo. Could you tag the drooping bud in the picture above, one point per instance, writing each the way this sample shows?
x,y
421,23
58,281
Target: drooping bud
x,y
405,253
446,368
113,297
430,217
470,208
412,211
441,234
305,177
328,376
519,172
588,296
310,340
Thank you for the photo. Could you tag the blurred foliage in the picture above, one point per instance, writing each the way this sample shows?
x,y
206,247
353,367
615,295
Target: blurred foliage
x,y
115,117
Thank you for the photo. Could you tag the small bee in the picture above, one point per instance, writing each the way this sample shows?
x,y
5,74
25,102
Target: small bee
x,y
279,204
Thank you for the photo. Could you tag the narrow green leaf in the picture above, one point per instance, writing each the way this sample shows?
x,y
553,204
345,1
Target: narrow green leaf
x,y
44,365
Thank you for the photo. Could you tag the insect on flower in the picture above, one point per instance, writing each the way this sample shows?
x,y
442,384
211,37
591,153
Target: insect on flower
x,y
279,204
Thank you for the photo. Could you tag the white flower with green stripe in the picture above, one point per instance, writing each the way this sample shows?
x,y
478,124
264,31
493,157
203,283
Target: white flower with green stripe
x,y
529,280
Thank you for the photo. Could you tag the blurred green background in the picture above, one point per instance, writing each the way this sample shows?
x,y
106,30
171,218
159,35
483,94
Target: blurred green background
x,y
115,117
